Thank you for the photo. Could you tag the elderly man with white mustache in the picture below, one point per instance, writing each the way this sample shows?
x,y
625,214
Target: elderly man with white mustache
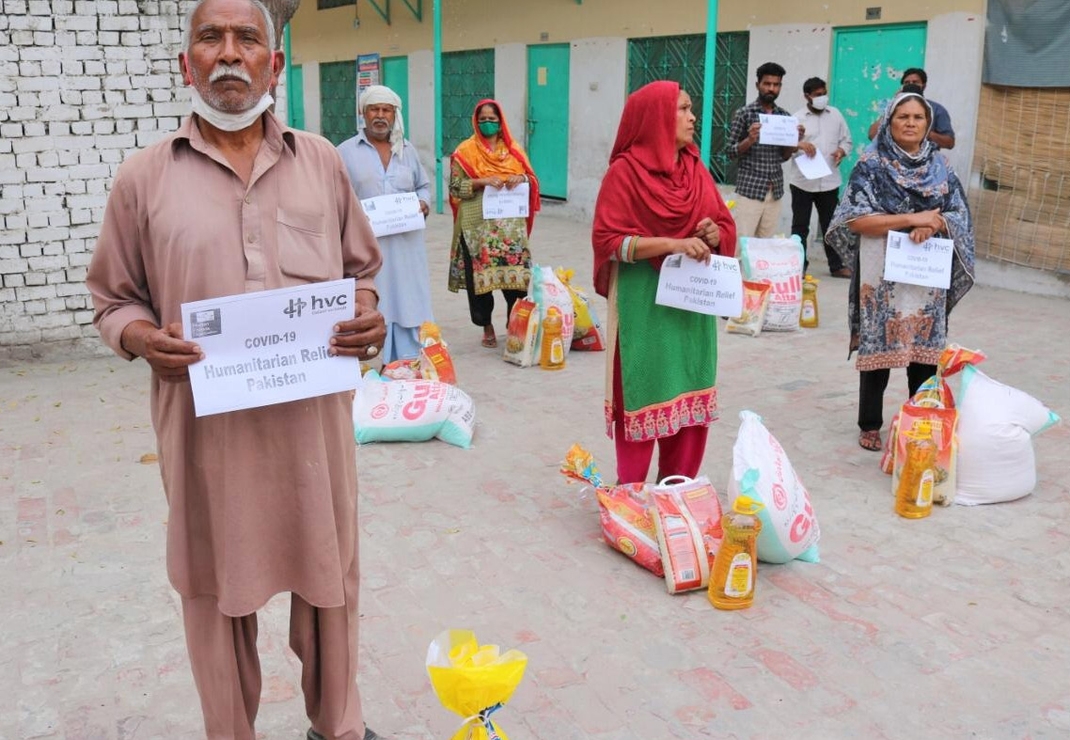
x,y
381,161
261,501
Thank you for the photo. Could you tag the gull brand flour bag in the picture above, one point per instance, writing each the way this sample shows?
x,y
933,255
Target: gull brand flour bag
x,y
780,262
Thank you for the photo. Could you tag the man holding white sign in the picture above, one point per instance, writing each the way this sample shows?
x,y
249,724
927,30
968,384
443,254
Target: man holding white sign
x,y
263,500
826,142
760,183
382,166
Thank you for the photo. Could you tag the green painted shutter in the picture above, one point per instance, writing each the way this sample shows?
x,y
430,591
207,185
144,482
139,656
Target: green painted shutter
x,y
338,100
467,78
396,77
683,60
295,101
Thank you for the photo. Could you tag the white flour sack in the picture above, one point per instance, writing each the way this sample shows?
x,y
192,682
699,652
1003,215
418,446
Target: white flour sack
x,y
997,423
412,411
761,470
778,262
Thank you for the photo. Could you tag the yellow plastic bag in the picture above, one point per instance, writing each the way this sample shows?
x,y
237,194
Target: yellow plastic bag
x,y
473,681
587,333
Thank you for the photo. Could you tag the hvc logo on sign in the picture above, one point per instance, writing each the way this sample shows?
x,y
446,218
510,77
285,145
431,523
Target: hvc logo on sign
x,y
316,304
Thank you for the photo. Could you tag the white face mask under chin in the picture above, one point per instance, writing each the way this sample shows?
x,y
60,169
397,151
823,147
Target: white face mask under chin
x,y
229,121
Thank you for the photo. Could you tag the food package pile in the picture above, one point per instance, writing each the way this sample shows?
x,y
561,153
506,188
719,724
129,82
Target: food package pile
x,y
983,432
672,529
433,363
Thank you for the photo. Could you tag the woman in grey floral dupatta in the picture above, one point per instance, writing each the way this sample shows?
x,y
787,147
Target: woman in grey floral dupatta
x,y
900,183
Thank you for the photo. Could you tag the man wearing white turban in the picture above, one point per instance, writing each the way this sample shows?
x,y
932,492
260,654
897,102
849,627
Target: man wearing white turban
x,y
380,161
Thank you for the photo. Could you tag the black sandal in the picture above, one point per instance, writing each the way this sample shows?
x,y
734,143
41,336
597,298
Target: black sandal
x,y
870,440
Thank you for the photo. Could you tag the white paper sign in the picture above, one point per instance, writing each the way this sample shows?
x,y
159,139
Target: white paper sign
x,y
927,264
394,214
269,347
715,289
778,130
505,203
813,168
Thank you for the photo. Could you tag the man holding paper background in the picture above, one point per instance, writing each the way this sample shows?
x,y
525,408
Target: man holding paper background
x,y
826,134
760,183
381,162
260,501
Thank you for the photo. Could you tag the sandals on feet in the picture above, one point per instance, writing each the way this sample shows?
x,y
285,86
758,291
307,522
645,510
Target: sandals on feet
x,y
369,734
490,341
870,440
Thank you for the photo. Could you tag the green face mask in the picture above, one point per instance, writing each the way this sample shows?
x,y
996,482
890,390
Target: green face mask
x,y
489,128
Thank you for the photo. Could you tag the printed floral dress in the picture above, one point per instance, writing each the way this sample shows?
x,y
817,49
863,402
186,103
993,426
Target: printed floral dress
x,y
499,247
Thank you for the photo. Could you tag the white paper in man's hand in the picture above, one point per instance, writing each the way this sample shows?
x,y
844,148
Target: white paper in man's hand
x,y
778,130
269,347
395,213
813,168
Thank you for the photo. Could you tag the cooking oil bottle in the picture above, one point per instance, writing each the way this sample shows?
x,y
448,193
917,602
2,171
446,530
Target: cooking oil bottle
x,y
808,315
735,567
552,356
914,494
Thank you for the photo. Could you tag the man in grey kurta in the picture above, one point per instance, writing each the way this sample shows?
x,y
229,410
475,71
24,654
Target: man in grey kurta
x,y
380,161
260,501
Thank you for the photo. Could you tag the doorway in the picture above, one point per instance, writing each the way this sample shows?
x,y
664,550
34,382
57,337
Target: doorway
x,y
547,121
867,65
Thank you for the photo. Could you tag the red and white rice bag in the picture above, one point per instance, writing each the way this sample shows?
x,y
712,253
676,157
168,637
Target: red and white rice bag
x,y
522,333
687,522
627,524
755,304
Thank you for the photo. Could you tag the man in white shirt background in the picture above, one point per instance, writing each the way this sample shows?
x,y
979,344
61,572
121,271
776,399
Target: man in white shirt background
x,y
826,131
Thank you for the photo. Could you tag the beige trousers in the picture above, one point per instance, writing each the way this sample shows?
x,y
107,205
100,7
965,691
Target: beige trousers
x,y
757,217
226,666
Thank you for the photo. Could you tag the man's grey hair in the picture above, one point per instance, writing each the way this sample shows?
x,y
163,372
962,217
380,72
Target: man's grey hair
x,y
187,35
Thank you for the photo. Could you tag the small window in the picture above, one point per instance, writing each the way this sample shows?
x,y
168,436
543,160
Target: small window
x,y
324,4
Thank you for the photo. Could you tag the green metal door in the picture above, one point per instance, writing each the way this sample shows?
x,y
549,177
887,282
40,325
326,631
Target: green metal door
x,y
467,78
547,142
396,77
295,97
867,64
338,100
683,59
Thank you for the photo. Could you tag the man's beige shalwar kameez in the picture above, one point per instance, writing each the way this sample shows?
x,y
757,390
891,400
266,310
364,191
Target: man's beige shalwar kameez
x,y
261,501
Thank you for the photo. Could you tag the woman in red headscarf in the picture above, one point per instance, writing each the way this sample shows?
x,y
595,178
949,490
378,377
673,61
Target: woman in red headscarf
x,y
657,199
489,254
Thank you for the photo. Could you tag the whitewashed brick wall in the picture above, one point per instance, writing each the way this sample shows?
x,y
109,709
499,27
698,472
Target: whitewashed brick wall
x,y
83,84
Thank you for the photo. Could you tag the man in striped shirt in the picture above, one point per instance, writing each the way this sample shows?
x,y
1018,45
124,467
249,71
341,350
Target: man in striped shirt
x,y
760,183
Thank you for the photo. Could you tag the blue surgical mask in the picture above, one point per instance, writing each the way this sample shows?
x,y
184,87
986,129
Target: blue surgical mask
x,y
489,128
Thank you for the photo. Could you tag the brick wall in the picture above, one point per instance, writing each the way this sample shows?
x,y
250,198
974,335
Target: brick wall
x,y
83,84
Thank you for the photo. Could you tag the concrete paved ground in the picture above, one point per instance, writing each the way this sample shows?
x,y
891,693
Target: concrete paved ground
x,y
954,626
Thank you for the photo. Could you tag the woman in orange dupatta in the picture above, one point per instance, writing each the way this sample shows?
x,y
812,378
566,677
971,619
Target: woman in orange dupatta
x,y
489,254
